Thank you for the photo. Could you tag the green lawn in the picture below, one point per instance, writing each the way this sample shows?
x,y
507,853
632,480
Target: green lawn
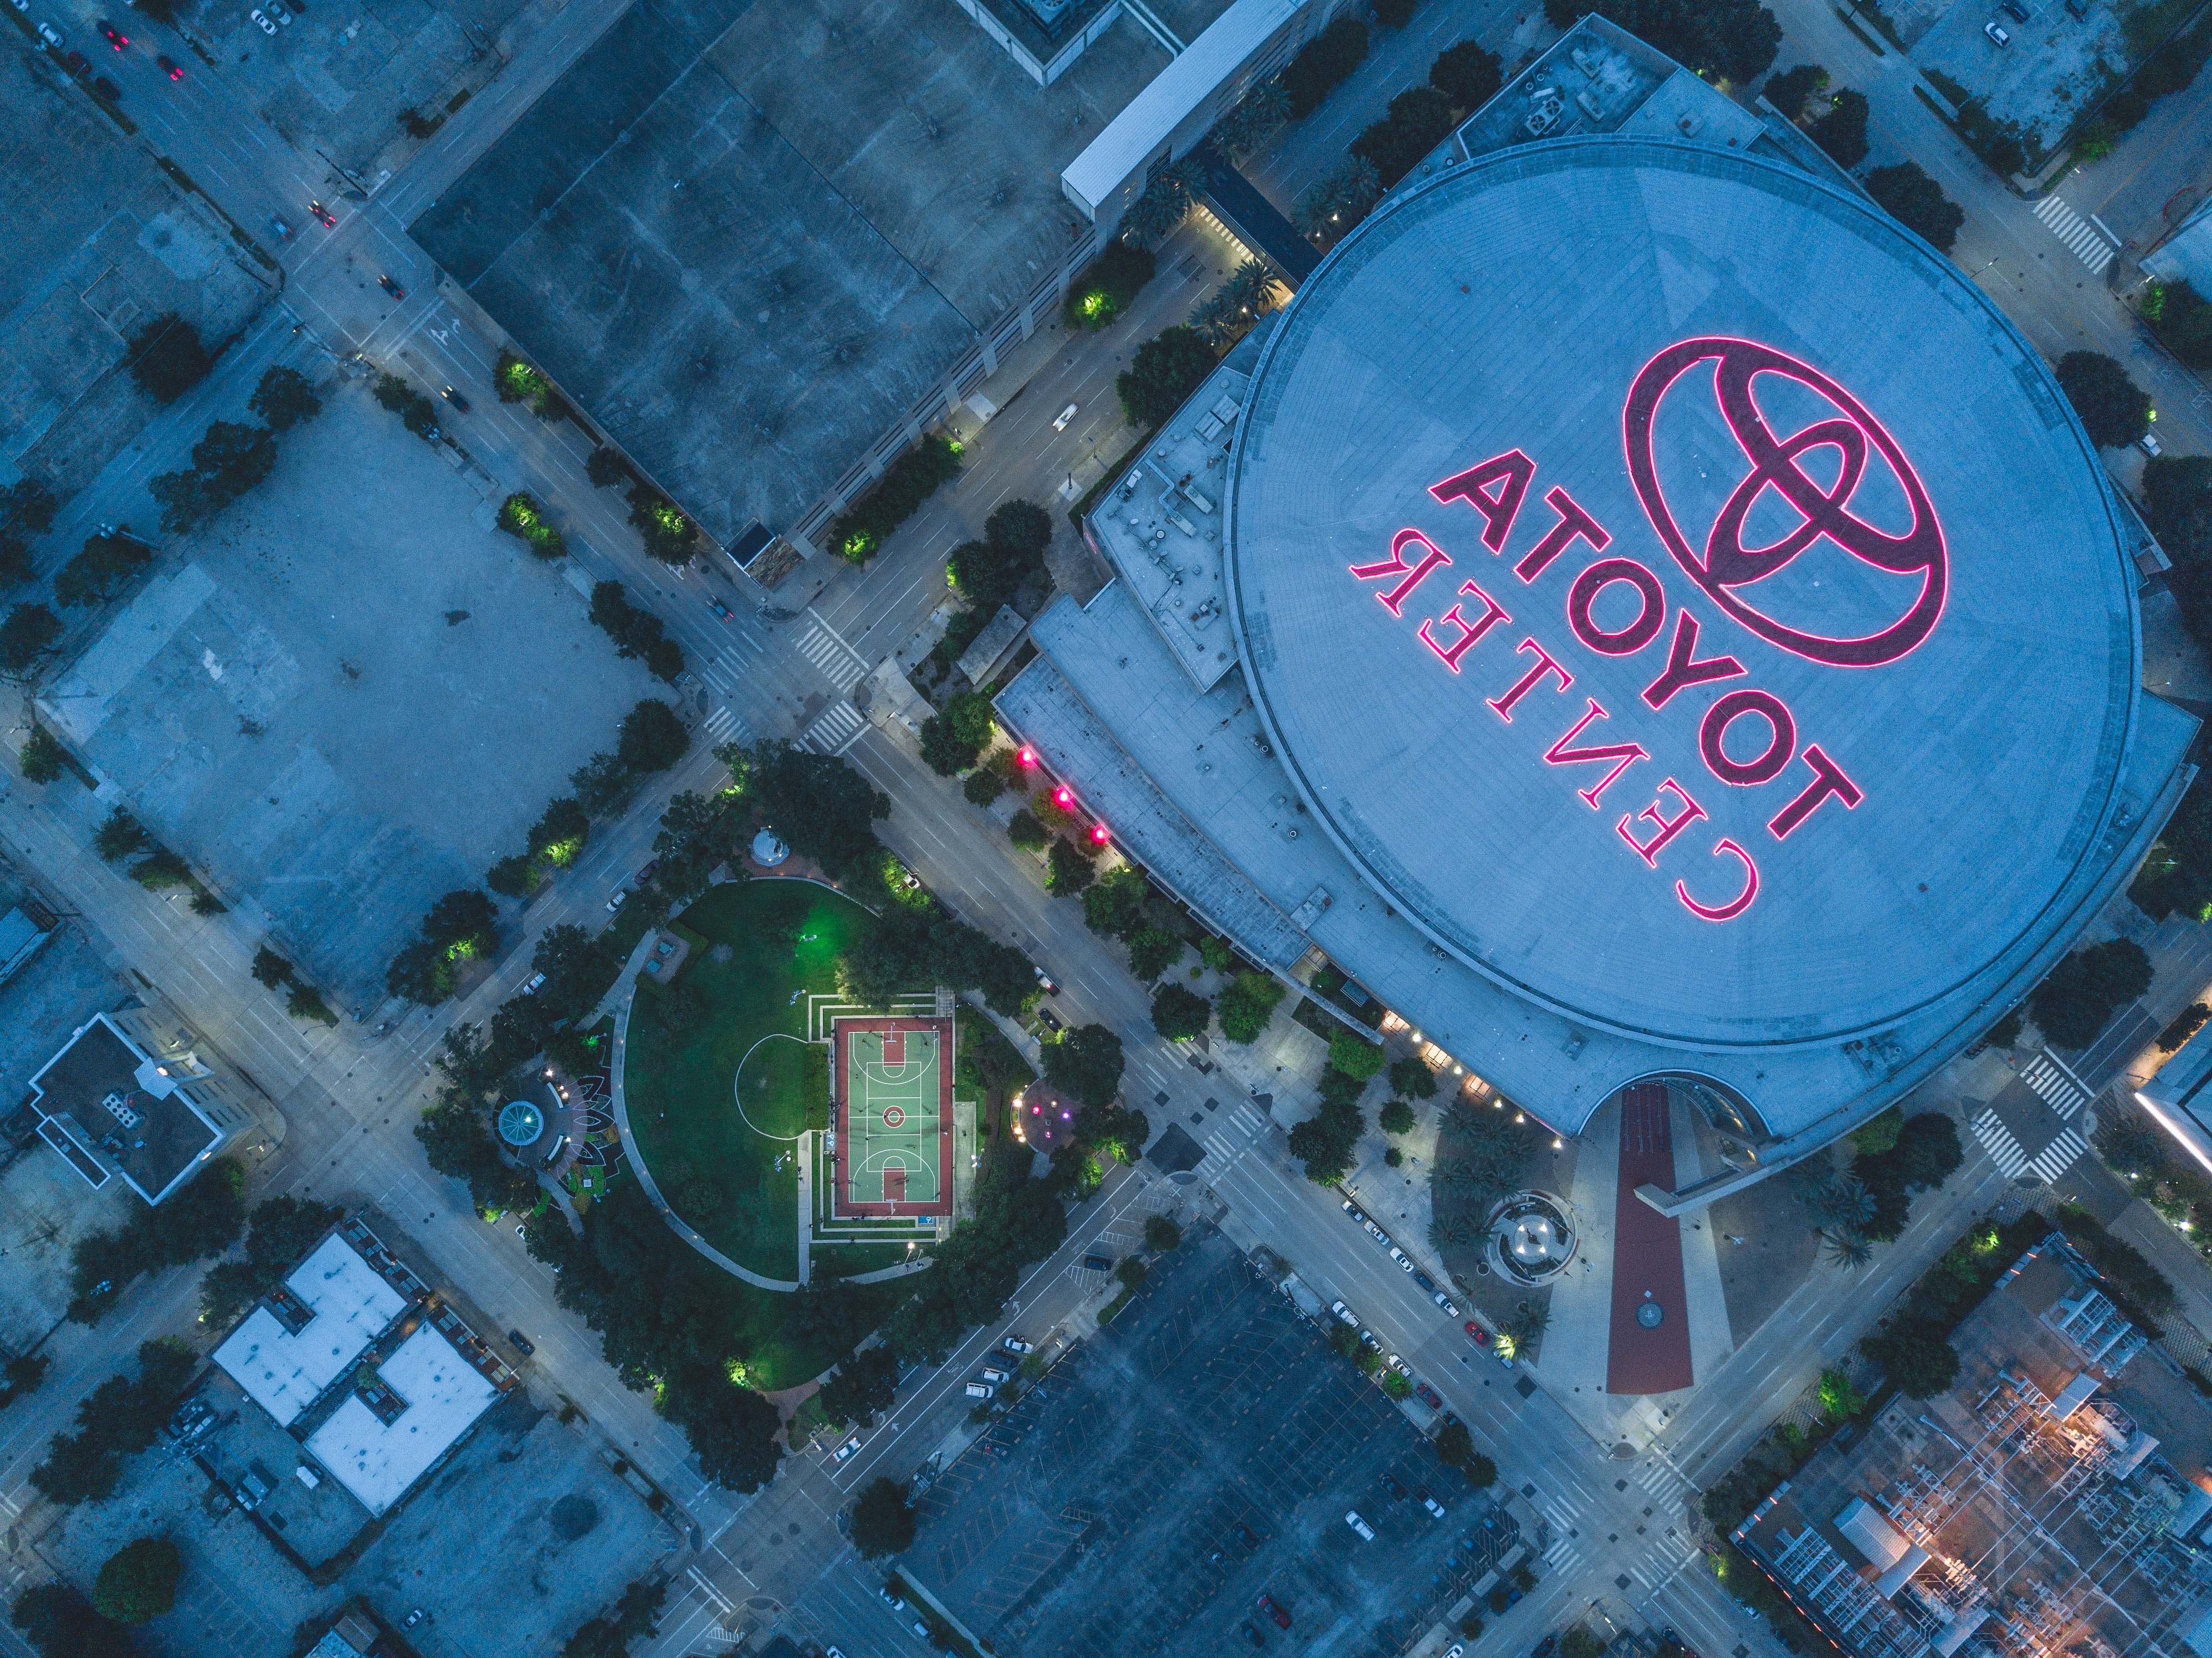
x,y
783,937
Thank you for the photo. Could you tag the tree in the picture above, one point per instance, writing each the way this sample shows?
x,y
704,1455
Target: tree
x,y
1247,1006
1166,369
1420,118
1325,1151
2072,1004
1086,1062
1412,1078
606,469
1332,207
60,1623
730,1427
1916,1356
1729,40
1071,867
1164,204
139,1581
119,1418
1879,1133
1847,1246
1928,1151
27,633
1787,90
1180,1014
697,832
119,835
41,757
1023,830
1115,904
28,507
652,738
1323,62
101,569
863,1387
2114,411
1468,73
636,1614
883,1523
284,398
1258,115
1152,951
168,359
952,740
1455,1446
1915,201
1161,1234
819,804
1396,1117
1353,1054
271,969
983,785
667,534
1842,130
232,457
2182,318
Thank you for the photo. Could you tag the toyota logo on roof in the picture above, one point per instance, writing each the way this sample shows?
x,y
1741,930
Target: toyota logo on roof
x,y
1725,568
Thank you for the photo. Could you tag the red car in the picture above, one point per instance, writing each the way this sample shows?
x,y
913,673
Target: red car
x,y
1428,1395
113,37
1476,1333
1267,1604
169,67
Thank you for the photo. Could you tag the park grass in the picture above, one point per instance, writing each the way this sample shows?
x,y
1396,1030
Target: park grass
x,y
785,938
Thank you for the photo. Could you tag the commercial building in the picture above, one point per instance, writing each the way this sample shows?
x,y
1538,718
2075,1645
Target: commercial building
x,y
2054,1501
1639,613
131,1096
355,1358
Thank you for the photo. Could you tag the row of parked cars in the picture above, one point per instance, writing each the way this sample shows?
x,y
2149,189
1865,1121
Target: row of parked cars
x,y
999,1368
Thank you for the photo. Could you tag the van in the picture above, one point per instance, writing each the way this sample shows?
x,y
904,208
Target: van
x,y
979,1390
994,1375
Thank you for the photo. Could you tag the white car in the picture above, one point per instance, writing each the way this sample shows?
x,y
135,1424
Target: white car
x,y
1344,1313
845,1450
1065,416
1016,1344
261,21
1445,1301
1432,1505
1454,1650
46,34
1352,1519
1997,32
1399,1365
2149,445
1405,1261
890,1600
621,897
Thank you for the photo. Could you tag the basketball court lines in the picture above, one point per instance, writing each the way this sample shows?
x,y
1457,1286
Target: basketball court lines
x,y
891,1154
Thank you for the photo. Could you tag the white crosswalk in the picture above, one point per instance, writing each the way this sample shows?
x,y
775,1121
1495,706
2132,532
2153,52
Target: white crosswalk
x,y
841,664
723,726
1232,1136
2086,241
2011,1158
724,670
2060,1089
834,731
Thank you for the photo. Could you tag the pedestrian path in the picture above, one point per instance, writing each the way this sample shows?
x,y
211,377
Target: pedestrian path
x,y
723,726
1232,1135
724,670
2060,1089
2085,240
822,645
2011,1158
834,731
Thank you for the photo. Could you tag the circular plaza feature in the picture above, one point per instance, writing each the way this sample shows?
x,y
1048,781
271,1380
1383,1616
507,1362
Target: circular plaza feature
x,y
521,1124
1531,1237
1682,595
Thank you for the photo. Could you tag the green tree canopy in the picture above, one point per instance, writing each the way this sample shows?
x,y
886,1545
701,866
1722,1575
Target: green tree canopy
x,y
60,1623
731,1428
284,398
2072,1004
1915,201
1179,1014
883,1523
100,571
1247,1005
1086,1062
1412,1078
1468,73
1152,951
1323,62
2182,318
1072,869
1842,130
27,633
820,806
863,1387
667,534
1396,1117
139,1581
1115,904
1787,90
166,357
1353,1054
636,1613
1916,1356
1166,369
2114,409
652,738
952,740
1420,118
1728,40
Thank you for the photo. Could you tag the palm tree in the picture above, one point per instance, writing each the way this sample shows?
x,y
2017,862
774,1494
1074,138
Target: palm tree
x,y
1847,1246
1846,1203
1165,203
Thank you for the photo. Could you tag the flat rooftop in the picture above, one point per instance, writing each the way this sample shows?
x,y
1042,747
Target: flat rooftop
x,y
107,1104
348,1303
746,239
430,1397
1135,1487
2055,1500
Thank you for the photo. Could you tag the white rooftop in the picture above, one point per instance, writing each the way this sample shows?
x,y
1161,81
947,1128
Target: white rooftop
x,y
352,1305
378,1461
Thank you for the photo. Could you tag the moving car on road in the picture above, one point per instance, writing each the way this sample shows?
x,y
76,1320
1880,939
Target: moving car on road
x,y
721,609
114,36
523,1343
391,288
1060,424
324,215
454,398
169,65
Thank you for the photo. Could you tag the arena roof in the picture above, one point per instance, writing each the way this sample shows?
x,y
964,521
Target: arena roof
x,y
1798,447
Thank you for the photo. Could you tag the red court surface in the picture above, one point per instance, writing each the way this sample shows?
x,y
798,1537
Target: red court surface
x,y
1647,1256
894,1201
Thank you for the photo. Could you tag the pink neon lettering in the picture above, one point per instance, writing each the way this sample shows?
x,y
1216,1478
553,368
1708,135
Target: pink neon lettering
x,y
1683,668
1545,663
1573,522
1396,565
1828,780
1510,473
1623,755
1781,738
1470,632
1736,906
1664,828
1624,641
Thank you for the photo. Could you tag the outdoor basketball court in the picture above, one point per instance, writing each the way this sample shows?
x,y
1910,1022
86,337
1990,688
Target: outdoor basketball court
x,y
893,1078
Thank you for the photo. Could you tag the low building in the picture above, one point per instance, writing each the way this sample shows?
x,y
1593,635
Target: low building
x,y
126,1097
365,1366
2177,1098
2053,1502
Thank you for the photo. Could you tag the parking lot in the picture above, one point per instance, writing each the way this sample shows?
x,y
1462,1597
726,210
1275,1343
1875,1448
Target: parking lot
x,y
1203,1449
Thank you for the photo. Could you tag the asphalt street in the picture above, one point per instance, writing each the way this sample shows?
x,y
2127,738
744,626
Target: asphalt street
x,y
350,1096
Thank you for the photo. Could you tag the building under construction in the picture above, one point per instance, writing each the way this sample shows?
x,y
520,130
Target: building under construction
x,y
2052,1504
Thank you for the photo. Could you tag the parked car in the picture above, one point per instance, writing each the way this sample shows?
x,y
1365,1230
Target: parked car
x,y
1282,1618
1405,1261
1099,1263
261,21
1390,1483
1544,1648
1430,1503
995,1376
1428,1395
1425,1280
275,10
1344,1313
1016,1344
2149,445
1456,1650
46,34
1353,1210
921,1629
1399,1365
621,897
2020,13
169,66
1367,1340
895,1602
979,1390
1444,1302
75,62
845,1450
534,984
106,89
1252,1634
1997,32
1049,1020
1476,1333
414,1617
1051,986
523,1343
1352,1519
